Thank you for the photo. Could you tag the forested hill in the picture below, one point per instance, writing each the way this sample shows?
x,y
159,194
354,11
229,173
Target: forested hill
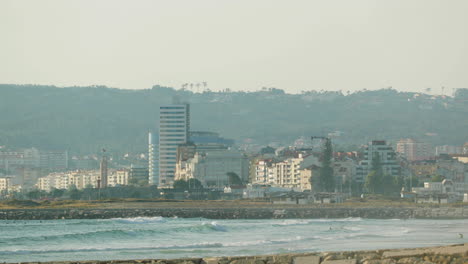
x,y
85,119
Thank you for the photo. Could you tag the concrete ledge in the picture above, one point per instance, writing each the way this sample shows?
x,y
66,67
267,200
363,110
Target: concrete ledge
x,y
453,254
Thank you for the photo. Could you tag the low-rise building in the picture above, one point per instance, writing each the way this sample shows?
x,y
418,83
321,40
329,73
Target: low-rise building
x,y
5,184
211,167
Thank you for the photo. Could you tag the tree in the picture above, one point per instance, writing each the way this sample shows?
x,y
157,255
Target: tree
x,y
34,194
437,178
372,182
74,193
194,184
267,150
326,177
180,185
374,178
56,193
233,179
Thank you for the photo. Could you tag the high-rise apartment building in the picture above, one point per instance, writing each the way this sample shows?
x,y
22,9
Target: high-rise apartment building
x,y
174,126
153,178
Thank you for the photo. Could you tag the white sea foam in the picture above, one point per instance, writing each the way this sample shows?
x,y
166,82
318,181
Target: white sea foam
x,y
215,226
140,220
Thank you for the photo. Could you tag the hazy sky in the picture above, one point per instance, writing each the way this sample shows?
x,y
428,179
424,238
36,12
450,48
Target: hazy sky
x,y
236,44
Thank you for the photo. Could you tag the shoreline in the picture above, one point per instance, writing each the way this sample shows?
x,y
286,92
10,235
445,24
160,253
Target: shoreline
x,y
276,212
455,254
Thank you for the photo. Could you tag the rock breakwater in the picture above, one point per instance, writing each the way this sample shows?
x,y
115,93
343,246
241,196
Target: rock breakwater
x,y
237,213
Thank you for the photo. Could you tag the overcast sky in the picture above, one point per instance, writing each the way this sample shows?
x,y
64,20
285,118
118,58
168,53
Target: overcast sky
x,y
238,44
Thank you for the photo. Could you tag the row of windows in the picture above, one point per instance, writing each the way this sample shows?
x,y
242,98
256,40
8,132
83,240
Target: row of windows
x,y
175,126
173,121
172,107
173,117
169,144
165,136
173,139
172,130
176,112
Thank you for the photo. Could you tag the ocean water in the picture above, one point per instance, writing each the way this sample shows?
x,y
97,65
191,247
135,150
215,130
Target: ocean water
x,y
157,237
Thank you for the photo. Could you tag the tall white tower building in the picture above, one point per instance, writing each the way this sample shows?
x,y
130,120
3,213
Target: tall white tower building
x,y
174,126
153,167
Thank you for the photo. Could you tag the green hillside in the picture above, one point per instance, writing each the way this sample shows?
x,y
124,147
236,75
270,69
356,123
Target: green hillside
x,y
86,119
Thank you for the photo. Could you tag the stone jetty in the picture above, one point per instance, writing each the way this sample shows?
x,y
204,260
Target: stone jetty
x,y
238,213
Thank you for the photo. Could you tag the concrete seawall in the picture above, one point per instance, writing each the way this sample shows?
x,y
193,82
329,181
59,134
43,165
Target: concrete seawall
x,y
454,254
237,213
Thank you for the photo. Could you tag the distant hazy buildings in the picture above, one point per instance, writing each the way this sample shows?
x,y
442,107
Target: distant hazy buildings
x,y
413,150
205,141
174,126
34,158
447,149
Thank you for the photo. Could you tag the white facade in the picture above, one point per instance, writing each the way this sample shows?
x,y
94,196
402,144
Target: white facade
x,y
119,178
64,180
174,126
287,173
153,169
5,184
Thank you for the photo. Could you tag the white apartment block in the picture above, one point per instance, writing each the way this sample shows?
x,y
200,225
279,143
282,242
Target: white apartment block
x,y
5,184
118,178
287,173
64,180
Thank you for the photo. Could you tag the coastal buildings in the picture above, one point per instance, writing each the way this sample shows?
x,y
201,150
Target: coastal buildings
x,y
64,180
138,175
119,178
103,171
388,160
448,149
413,150
34,158
174,126
211,167
286,172
153,170
5,184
